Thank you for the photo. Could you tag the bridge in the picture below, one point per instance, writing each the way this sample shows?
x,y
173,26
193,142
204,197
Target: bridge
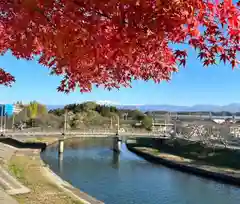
x,y
117,138
23,135
195,133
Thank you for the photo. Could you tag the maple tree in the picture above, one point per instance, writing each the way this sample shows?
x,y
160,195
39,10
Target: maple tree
x,y
111,42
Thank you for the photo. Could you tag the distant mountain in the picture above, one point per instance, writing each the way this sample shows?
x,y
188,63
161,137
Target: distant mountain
x,y
52,107
234,107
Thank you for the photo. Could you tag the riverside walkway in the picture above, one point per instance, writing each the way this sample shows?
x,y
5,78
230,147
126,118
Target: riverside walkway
x,y
6,199
8,184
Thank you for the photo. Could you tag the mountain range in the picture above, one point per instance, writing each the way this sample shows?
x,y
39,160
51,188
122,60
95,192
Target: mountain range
x,y
234,107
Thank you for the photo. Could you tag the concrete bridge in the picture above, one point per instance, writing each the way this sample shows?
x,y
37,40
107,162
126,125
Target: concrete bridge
x,y
117,138
80,133
122,136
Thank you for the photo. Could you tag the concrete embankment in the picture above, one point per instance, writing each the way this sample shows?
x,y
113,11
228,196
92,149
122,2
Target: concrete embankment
x,y
25,164
230,177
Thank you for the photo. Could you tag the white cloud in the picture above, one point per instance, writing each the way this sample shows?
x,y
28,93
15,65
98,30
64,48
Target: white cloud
x,y
136,104
107,102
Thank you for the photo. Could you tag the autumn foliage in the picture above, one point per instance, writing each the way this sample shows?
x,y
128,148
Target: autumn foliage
x,y
111,42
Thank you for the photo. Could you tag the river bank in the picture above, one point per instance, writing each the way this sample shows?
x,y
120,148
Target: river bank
x,y
44,185
222,174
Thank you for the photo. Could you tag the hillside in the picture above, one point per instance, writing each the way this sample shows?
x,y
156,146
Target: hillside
x,y
80,116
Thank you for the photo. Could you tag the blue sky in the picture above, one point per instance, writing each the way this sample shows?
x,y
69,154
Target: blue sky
x,y
192,85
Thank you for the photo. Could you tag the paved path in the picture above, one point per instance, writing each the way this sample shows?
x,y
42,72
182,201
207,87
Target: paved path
x,y
6,199
6,151
8,184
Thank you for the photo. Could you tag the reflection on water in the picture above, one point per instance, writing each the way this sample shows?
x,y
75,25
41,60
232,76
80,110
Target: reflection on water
x,y
115,159
60,162
122,178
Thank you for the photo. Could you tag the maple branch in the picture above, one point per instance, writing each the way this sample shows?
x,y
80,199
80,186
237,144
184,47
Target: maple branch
x,y
6,78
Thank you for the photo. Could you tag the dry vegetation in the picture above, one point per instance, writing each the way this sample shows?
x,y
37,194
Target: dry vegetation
x,y
27,168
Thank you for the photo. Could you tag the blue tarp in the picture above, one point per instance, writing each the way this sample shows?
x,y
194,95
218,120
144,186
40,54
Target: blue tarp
x,y
6,109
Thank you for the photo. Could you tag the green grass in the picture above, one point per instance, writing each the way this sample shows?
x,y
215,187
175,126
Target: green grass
x,y
34,140
17,171
155,151
41,140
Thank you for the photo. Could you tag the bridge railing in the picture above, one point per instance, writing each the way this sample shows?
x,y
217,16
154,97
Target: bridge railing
x,y
87,130
93,131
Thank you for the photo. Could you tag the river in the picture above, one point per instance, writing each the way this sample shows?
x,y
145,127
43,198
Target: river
x,y
91,166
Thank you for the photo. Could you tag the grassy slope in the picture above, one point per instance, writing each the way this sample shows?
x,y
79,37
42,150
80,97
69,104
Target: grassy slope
x,y
27,169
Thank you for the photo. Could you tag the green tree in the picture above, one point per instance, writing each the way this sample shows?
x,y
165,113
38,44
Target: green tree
x,y
147,123
136,115
73,122
113,109
33,111
105,111
90,105
71,107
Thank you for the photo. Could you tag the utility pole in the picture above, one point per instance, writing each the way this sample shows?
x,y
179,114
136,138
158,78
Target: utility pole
x,y
116,139
153,125
13,120
118,124
2,107
111,123
61,140
175,127
65,123
5,122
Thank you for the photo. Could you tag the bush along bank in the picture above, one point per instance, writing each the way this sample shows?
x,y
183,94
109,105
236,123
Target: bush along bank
x,y
225,175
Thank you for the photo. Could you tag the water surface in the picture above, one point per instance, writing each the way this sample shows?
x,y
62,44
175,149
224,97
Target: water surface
x,y
91,166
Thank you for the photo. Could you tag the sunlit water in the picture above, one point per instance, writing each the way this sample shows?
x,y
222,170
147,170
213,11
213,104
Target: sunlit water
x,y
125,178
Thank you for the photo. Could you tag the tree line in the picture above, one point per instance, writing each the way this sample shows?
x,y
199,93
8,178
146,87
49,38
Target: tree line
x,y
142,120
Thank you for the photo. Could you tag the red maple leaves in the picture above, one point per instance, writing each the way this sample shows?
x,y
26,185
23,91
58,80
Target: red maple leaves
x,y
181,56
109,43
6,78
